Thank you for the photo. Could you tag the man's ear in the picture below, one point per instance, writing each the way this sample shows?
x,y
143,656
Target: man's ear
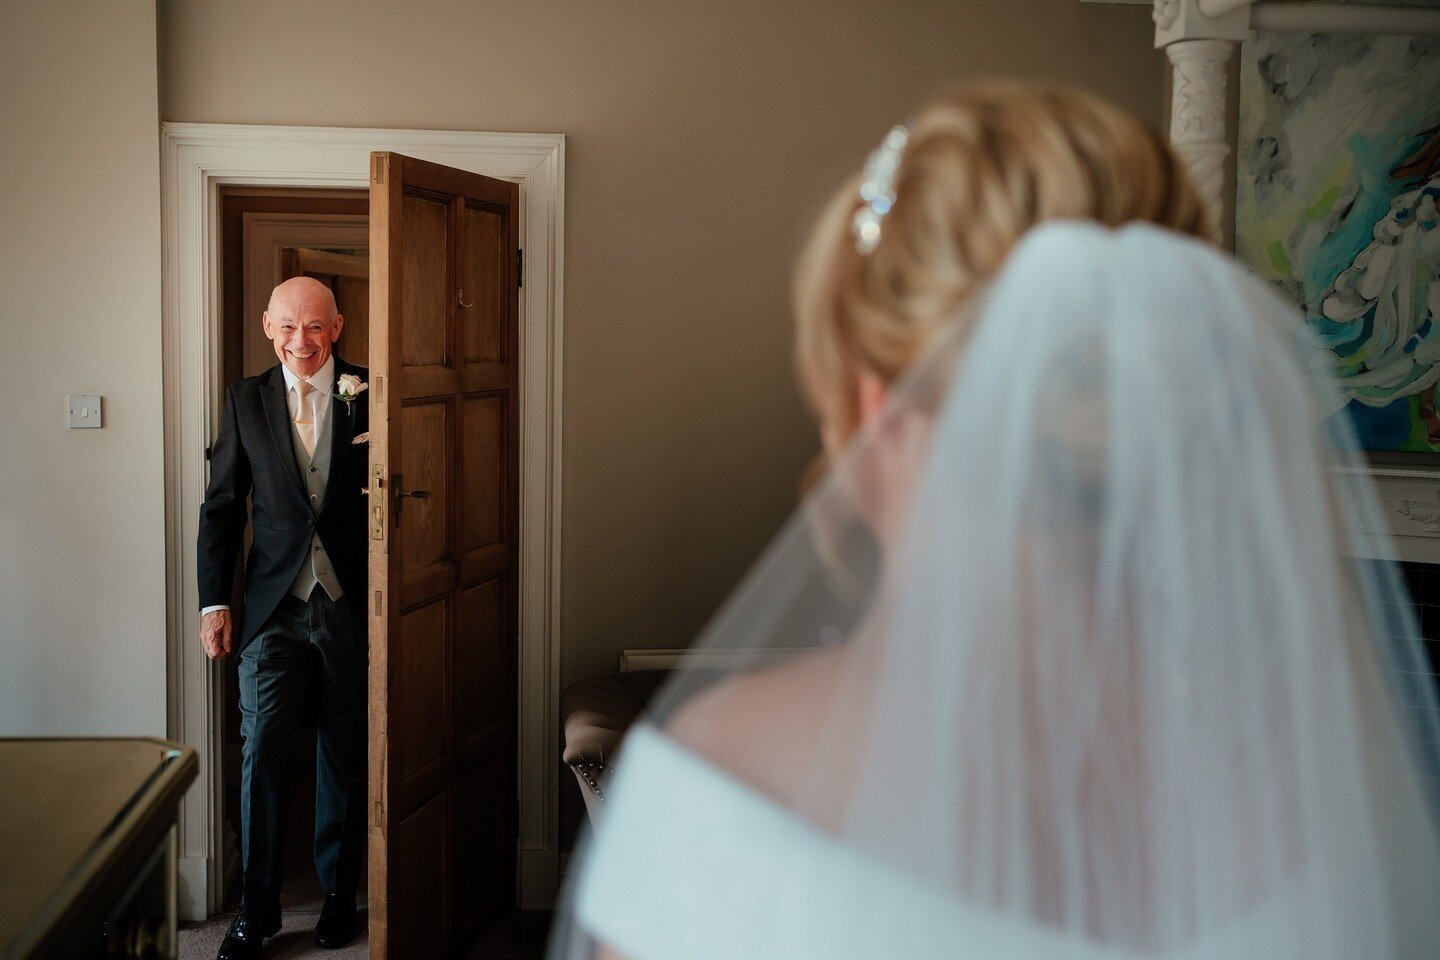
x,y
336,327
265,322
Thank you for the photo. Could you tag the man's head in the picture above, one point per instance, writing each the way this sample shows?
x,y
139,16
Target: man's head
x,y
303,323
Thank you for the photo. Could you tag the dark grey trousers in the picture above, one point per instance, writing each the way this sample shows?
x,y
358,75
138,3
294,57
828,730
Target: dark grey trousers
x,y
306,649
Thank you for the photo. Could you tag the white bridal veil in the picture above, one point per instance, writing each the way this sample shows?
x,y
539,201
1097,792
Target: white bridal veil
x,y
1068,656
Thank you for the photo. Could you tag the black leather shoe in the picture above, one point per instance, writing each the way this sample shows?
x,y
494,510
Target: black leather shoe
x,y
247,933
337,924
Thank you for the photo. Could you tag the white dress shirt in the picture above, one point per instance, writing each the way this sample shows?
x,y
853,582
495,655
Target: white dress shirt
x,y
323,381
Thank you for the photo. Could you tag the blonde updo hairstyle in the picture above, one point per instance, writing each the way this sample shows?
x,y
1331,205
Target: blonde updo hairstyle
x,y
981,167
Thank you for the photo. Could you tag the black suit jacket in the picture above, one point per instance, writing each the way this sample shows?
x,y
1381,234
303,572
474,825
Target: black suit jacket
x,y
254,456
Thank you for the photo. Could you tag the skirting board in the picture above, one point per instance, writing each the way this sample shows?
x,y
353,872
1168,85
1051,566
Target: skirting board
x,y
539,879
193,876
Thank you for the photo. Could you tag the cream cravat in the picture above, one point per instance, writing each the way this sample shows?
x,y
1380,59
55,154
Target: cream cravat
x,y
304,419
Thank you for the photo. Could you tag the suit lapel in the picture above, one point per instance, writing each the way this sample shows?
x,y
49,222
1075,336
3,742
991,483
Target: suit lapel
x,y
342,431
277,415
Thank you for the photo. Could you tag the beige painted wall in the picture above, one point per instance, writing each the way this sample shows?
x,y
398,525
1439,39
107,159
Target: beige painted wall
x,y
82,564
702,138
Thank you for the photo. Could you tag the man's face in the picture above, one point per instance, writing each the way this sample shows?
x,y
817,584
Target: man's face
x,y
303,325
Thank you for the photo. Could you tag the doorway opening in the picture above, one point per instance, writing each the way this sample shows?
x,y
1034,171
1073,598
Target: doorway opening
x,y
198,161
268,235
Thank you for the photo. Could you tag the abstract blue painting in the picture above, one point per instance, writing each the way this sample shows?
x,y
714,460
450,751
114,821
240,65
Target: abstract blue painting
x,y
1338,177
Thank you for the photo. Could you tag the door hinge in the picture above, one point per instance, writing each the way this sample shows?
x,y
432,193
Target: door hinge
x,y
519,268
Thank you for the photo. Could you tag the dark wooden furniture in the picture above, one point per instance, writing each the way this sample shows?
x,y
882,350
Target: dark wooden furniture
x,y
87,846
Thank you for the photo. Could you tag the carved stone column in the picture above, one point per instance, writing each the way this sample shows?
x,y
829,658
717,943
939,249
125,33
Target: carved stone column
x,y
1199,45
1197,117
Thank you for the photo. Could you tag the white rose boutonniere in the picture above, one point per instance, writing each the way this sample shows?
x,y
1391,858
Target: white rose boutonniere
x,y
348,387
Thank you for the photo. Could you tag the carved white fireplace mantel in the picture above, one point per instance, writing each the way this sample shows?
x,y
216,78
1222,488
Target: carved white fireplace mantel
x,y
1409,500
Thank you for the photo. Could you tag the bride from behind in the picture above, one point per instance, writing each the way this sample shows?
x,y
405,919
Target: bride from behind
x,y
1068,654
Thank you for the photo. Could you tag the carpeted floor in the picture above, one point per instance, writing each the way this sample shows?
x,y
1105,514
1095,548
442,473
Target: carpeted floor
x,y
520,936
201,941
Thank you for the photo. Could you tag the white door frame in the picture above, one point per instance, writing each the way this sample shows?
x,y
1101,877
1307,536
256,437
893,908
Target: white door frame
x,y
196,160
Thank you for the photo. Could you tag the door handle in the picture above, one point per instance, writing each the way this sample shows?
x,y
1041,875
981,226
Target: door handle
x,y
398,485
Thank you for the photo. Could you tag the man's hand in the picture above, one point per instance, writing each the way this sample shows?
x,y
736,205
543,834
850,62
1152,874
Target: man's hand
x,y
215,634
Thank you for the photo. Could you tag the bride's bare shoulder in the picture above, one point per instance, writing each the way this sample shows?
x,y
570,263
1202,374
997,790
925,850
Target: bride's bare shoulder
x,y
758,724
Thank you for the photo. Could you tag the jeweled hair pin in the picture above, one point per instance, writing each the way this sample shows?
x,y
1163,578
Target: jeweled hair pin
x,y
877,190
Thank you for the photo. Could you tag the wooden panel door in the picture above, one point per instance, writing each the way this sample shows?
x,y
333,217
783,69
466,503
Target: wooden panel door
x,y
444,456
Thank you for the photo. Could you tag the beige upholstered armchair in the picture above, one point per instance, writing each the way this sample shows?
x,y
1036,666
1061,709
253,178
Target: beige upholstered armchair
x,y
596,713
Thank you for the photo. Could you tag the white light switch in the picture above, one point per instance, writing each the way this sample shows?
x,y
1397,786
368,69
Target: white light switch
x,y
85,412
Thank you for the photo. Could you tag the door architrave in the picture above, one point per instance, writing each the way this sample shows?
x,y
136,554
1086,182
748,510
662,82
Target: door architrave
x,y
196,160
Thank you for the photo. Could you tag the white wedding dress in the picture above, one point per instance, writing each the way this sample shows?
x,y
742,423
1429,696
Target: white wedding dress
x,y
1089,669
696,864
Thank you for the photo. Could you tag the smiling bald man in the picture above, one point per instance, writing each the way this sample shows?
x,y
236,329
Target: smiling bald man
x,y
286,445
